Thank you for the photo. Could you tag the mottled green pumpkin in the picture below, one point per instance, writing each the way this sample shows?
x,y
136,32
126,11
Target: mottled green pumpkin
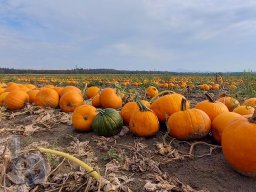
x,y
108,122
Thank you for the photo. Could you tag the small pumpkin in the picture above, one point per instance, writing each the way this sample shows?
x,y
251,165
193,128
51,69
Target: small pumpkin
x,y
47,97
16,100
83,117
211,107
238,145
230,102
188,123
108,122
69,88
220,123
70,100
151,91
250,102
129,108
244,110
32,95
92,91
167,105
96,101
143,122
109,99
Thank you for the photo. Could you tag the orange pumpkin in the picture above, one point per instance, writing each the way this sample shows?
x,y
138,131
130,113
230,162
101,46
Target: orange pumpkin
x,y
70,100
220,123
250,102
83,117
244,110
92,91
47,97
167,105
12,87
58,89
151,91
2,89
129,108
2,98
211,107
32,95
16,100
144,122
96,101
230,102
69,88
238,145
188,123
109,99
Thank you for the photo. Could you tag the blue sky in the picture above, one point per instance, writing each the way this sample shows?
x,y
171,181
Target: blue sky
x,y
195,35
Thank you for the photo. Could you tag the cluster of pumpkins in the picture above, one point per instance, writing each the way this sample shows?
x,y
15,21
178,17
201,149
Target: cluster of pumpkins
x,y
231,124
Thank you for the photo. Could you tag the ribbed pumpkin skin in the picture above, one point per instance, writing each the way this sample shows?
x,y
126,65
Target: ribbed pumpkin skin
x,y
167,105
238,146
16,100
108,122
212,109
83,117
151,91
230,102
70,100
250,102
47,97
129,108
2,98
189,124
244,110
32,95
109,99
96,101
92,91
69,88
221,122
144,123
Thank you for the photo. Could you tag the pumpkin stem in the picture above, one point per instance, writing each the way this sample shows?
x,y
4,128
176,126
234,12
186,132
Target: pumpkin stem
x,y
209,97
141,106
161,93
183,104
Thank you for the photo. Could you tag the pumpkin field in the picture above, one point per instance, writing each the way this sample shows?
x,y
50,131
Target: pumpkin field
x,y
128,132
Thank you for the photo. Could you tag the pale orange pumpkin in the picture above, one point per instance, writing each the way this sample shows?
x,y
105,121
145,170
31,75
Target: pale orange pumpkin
x,y
47,97
109,99
92,91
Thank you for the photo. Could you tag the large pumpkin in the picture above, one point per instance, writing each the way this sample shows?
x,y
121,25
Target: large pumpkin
x,y
220,123
167,105
47,97
110,99
96,101
83,117
238,145
108,122
188,123
143,122
16,100
230,102
70,100
2,97
211,107
32,95
129,108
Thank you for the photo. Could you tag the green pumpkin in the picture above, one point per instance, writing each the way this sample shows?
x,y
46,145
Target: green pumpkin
x,y
108,122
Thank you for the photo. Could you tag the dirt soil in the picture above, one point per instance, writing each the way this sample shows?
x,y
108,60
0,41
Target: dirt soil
x,y
129,163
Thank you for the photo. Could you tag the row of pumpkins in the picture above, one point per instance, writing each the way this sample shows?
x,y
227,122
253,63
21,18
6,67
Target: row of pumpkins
x,y
232,125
